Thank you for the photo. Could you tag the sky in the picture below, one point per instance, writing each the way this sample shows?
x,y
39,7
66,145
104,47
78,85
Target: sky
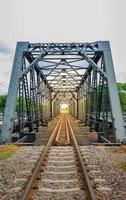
x,y
61,21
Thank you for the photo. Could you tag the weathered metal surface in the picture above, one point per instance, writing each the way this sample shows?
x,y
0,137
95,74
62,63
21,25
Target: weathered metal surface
x,y
7,126
49,74
113,92
55,137
29,187
91,193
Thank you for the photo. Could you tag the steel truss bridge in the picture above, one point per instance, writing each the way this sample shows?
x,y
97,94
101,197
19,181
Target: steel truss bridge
x,y
45,75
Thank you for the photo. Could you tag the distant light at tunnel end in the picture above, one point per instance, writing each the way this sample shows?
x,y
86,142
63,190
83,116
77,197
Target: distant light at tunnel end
x,y
64,106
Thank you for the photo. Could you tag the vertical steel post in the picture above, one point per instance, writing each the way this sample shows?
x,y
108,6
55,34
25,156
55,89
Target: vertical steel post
x,y
50,104
113,92
77,104
8,120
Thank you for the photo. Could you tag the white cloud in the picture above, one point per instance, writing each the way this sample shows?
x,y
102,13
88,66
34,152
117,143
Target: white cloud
x,y
66,21
5,71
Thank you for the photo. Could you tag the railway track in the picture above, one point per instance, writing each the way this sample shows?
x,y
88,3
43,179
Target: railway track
x,y
60,173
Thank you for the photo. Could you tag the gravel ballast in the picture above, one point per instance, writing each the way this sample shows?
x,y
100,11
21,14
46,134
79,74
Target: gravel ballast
x,y
109,181
15,171
61,179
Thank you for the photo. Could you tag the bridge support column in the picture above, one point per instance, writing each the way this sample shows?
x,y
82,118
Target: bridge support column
x,y
8,120
55,109
48,104
81,105
78,104
50,108
113,92
75,107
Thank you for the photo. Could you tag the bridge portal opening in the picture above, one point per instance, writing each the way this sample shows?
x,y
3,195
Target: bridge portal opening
x,y
53,78
64,108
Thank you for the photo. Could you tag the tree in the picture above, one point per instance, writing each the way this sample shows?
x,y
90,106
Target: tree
x,y
122,95
2,102
121,86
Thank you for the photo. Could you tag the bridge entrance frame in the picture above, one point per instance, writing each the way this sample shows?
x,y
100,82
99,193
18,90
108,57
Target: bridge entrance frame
x,y
43,74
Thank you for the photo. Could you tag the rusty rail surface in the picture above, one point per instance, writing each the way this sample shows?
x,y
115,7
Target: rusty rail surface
x,y
86,179
31,183
70,138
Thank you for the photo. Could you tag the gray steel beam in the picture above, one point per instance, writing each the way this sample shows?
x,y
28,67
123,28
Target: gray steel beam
x,y
71,77
113,92
92,63
7,126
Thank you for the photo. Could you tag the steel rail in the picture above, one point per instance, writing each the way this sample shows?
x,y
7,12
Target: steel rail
x,y
67,133
58,134
31,182
91,193
67,140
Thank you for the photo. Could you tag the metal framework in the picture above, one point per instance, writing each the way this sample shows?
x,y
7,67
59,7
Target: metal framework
x,y
46,74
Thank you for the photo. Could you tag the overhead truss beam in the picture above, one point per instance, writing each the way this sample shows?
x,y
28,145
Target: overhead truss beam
x,y
44,72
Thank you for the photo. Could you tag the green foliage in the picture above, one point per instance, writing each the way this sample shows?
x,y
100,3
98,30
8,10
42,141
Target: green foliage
x,y
121,86
5,155
3,99
17,105
123,166
122,95
7,151
2,102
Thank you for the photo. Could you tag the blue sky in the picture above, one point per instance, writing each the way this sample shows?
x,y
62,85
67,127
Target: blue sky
x,y
4,49
61,21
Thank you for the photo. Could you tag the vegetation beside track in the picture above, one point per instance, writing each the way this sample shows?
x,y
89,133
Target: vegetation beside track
x,y
7,151
122,95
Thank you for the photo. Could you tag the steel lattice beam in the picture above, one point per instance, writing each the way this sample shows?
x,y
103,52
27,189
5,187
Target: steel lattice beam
x,y
46,73
7,126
